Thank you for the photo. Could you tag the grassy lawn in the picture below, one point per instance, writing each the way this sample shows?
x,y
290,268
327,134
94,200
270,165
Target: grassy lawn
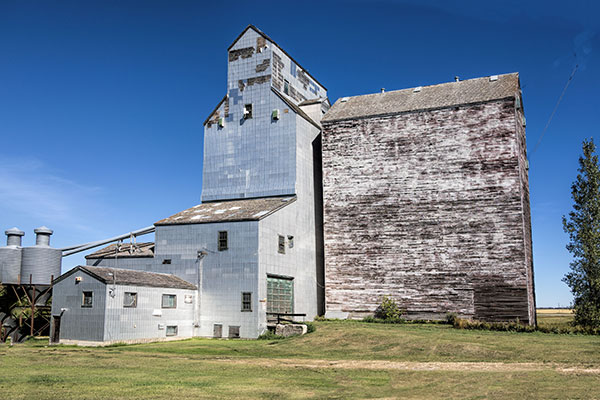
x,y
340,360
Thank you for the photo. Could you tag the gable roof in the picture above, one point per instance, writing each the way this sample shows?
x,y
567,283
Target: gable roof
x,y
127,250
229,211
443,95
120,276
296,108
278,46
214,111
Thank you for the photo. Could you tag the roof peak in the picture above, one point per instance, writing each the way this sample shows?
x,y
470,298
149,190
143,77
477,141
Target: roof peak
x,y
254,28
122,276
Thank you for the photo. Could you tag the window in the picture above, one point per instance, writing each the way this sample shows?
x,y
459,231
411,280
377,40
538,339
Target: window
x,y
222,240
286,87
234,332
281,244
130,300
280,294
290,241
171,330
246,301
217,330
169,301
248,111
167,261
87,299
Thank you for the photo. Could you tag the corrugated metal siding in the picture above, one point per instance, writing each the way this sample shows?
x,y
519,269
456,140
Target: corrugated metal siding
x,y
79,323
124,323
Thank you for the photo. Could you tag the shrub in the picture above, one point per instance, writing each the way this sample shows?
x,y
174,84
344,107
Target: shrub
x,y
451,317
310,327
388,310
270,335
516,326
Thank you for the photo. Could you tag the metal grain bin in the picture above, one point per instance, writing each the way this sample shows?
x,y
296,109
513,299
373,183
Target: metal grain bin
x,y
10,257
41,262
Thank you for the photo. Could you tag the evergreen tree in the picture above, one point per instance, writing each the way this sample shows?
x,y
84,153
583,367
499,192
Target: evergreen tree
x,y
583,227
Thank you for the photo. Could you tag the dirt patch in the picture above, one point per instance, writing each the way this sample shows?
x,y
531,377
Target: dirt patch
x,y
410,366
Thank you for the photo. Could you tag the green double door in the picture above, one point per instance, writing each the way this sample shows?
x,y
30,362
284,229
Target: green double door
x,y
280,295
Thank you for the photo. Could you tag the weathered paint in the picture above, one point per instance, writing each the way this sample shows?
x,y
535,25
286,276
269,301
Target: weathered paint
x,y
432,208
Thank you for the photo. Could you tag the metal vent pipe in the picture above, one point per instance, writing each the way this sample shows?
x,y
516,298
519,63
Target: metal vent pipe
x,y
42,236
13,237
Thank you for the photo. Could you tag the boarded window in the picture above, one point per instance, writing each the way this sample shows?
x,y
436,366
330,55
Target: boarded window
x,y
234,332
217,330
223,240
130,300
87,299
280,295
169,301
171,330
281,240
246,301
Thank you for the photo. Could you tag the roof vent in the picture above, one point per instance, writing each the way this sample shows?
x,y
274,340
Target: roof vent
x,y
344,99
417,89
493,78
456,79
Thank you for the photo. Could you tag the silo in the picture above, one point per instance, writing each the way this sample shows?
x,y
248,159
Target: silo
x,y
40,262
10,257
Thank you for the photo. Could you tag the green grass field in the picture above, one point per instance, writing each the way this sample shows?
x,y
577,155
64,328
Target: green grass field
x,y
340,360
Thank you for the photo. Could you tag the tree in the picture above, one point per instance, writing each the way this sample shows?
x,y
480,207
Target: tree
x,y
583,227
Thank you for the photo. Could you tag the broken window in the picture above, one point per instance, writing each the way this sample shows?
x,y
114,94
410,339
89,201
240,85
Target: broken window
x,y
171,330
130,300
234,332
246,301
248,111
286,87
281,244
223,240
169,301
87,299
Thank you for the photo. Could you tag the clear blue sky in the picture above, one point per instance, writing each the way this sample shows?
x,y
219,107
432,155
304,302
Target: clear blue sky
x,y
102,102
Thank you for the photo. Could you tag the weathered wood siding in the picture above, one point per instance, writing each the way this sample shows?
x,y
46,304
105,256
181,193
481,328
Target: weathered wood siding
x,y
432,208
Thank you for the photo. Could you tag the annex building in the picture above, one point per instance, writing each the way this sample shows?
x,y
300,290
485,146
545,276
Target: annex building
x,y
420,194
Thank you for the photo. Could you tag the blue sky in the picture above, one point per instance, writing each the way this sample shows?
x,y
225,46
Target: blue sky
x,y
102,102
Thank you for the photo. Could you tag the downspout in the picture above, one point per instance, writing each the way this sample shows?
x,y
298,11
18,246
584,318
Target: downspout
x,y
200,260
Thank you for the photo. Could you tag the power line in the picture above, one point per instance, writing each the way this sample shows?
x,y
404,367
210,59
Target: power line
x,y
554,111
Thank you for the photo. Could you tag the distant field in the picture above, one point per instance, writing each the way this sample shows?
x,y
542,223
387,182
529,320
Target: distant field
x,y
550,318
562,311
340,360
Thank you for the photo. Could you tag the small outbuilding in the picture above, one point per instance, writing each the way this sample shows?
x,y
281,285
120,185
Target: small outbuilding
x,y
100,306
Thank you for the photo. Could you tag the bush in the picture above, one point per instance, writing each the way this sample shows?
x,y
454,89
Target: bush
x,y
270,335
310,327
515,326
388,310
451,318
